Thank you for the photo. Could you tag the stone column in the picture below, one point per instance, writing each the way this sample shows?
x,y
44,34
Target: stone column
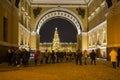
x,y
113,27
34,43
84,40
79,41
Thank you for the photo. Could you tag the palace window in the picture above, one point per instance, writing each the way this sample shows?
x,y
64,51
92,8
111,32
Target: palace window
x,y
5,26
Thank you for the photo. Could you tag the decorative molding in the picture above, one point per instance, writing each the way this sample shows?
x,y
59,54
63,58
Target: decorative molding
x,y
36,11
28,1
84,33
33,33
98,27
96,48
8,44
114,45
97,10
90,2
23,27
59,12
23,9
103,4
33,49
81,11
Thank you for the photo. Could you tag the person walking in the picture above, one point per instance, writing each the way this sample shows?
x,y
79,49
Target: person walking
x,y
53,57
46,56
9,56
85,55
35,57
79,57
93,57
113,57
118,57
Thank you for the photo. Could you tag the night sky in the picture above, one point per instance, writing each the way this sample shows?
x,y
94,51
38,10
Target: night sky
x,y
66,30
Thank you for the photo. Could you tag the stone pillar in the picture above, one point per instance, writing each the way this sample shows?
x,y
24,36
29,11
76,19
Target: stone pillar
x,y
79,41
113,27
84,40
34,43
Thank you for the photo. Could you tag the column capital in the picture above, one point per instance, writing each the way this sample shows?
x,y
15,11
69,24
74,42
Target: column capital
x,y
33,33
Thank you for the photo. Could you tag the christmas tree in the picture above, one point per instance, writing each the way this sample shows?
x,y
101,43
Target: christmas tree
x,y
56,41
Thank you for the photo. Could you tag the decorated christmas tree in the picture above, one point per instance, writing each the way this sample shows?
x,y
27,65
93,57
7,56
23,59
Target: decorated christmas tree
x,y
56,41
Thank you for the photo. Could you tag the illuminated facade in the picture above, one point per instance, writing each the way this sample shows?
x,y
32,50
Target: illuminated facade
x,y
24,24
63,47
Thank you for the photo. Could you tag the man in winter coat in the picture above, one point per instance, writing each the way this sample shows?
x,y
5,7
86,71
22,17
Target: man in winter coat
x,y
79,56
93,57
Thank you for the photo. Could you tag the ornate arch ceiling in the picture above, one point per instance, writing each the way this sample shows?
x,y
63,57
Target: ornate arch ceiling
x,y
61,2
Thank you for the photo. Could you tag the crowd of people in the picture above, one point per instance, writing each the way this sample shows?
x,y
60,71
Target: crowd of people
x,y
18,57
21,57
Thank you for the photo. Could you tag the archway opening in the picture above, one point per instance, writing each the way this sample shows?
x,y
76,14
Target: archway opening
x,y
68,42
66,30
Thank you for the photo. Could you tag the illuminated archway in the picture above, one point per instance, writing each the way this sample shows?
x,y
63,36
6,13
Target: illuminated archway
x,y
59,12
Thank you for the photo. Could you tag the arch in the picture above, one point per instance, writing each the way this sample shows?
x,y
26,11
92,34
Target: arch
x,y
59,12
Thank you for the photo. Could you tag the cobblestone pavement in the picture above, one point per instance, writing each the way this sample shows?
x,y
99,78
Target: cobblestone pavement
x,y
61,71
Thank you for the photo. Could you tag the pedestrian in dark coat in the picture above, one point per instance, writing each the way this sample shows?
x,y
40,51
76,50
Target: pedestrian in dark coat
x,y
79,56
9,57
118,57
35,57
26,56
17,57
53,57
93,57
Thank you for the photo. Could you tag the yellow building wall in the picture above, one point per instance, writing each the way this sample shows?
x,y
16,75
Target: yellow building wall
x,y
113,27
113,23
113,31
9,11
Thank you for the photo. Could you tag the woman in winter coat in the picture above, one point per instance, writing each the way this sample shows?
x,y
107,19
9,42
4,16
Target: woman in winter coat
x,y
113,57
85,55
35,57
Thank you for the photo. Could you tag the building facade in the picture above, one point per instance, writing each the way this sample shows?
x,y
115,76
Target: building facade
x,y
8,26
96,22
